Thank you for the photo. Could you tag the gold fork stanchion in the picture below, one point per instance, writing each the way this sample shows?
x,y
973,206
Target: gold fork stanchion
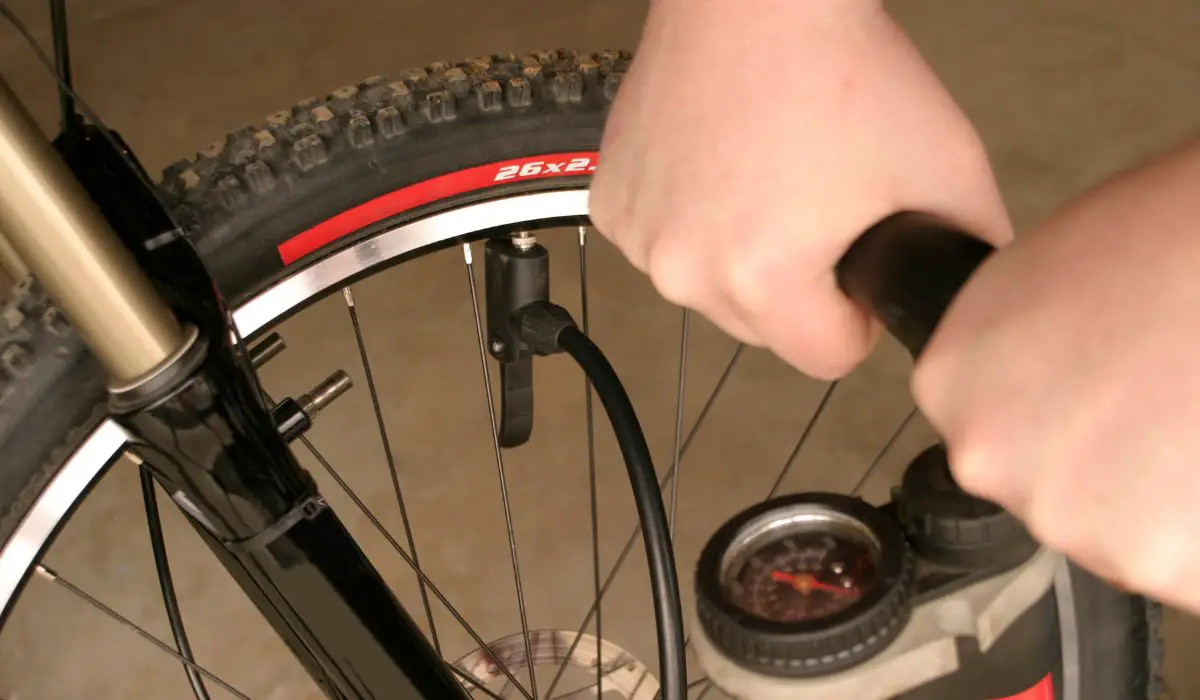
x,y
56,231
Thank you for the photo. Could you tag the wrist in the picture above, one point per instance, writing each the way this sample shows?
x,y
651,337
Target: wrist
x,y
794,9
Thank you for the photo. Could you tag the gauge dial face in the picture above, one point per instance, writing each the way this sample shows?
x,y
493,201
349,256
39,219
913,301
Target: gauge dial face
x,y
802,575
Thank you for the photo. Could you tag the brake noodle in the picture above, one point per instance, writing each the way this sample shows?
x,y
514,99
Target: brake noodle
x,y
1042,691
438,188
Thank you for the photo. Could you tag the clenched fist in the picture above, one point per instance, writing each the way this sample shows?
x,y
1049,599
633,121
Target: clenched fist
x,y
752,142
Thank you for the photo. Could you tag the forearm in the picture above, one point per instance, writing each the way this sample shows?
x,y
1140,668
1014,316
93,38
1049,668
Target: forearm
x,y
1157,200
760,28
788,13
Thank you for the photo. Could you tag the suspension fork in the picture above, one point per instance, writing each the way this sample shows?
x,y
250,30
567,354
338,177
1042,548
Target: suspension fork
x,y
106,251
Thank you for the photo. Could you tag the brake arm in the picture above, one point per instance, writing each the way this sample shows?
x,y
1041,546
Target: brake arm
x,y
516,401
516,273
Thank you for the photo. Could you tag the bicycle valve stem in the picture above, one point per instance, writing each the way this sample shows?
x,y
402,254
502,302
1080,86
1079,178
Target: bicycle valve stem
x,y
324,393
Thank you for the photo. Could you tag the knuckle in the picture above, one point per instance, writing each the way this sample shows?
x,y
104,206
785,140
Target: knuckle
x,y
674,273
740,332
965,151
1044,518
970,150
978,448
602,205
606,211
747,281
973,466
927,382
1061,515
1158,563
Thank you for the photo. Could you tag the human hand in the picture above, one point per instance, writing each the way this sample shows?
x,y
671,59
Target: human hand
x,y
752,142
1064,379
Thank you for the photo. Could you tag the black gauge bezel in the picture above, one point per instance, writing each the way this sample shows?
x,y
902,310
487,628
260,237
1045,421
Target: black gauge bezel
x,y
782,648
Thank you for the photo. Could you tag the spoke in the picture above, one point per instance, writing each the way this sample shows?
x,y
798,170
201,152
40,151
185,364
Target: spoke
x,y
598,688
53,577
437,593
883,452
707,689
592,690
391,460
591,448
474,682
683,344
637,530
163,568
508,522
812,423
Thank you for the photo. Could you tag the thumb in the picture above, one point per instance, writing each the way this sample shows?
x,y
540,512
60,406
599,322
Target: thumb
x,y
823,333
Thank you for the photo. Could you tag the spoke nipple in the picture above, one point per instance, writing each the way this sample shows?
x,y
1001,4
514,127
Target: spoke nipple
x,y
267,349
467,253
323,394
583,235
524,241
133,457
348,296
45,573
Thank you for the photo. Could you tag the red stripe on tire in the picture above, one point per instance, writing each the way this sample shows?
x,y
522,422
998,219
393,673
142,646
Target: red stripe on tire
x,y
443,187
1044,690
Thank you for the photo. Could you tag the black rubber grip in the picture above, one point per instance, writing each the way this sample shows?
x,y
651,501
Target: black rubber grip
x,y
906,270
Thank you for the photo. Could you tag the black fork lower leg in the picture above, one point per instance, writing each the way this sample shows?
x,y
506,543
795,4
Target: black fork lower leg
x,y
90,225
211,442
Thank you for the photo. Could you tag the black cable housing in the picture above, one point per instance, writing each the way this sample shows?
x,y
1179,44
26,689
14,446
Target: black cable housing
x,y
69,117
163,569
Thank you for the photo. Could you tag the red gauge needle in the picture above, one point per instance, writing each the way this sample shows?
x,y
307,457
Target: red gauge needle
x,y
806,583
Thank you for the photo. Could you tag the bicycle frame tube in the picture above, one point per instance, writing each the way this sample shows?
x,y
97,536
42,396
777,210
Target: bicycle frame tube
x,y
195,409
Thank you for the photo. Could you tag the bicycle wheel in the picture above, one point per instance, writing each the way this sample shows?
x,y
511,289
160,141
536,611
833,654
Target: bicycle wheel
x,y
340,188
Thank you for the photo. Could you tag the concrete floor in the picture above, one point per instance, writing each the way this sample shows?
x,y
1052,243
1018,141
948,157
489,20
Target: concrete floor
x,y
1064,92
